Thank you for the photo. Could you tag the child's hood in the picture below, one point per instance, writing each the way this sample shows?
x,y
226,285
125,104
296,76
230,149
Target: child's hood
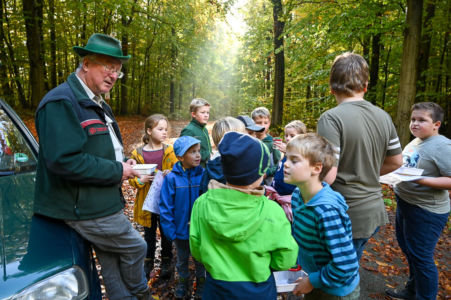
x,y
330,197
178,169
233,214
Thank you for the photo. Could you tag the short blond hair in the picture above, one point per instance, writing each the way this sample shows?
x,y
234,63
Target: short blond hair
x,y
224,125
297,125
260,112
197,103
316,149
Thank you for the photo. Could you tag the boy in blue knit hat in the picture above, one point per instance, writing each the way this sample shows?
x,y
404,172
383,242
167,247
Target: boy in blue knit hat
x,y
180,189
321,225
236,232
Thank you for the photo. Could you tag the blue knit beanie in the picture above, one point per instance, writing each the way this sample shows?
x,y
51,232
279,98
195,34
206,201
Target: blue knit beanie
x,y
244,158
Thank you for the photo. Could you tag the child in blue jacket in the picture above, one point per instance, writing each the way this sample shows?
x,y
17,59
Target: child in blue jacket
x,y
180,189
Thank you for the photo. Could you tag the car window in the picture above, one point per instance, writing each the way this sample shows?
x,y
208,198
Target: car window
x,y
15,154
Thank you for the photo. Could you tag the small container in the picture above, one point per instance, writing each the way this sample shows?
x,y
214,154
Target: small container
x,y
285,280
276,139
145,169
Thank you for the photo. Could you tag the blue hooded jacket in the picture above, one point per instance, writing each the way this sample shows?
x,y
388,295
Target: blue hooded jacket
x,y
213,170
180,189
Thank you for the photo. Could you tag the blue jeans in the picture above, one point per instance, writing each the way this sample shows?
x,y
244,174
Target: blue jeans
x,y
183,254
120,250
359,244
417,232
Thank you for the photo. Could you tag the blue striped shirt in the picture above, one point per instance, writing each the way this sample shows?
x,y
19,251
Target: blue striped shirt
x,y
323,232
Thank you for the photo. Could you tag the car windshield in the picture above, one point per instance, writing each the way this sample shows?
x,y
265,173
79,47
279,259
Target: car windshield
x,y
15,154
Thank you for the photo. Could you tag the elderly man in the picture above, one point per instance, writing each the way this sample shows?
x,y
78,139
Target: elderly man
x,y
81,167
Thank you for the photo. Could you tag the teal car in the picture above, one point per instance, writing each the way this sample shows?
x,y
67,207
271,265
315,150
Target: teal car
x,y
40,257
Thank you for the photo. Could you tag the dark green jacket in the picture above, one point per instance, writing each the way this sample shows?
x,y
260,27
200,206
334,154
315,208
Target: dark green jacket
x,y
77,175
200,132
275,155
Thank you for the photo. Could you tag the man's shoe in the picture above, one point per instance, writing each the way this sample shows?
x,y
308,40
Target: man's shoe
x,y
200,282
401,294
166,269
181,290
145,295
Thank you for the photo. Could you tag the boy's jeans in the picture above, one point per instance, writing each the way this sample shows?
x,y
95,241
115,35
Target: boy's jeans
x,y
183,254
417,232
120,250
359,244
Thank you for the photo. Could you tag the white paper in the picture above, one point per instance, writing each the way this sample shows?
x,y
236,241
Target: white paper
x,y
153,196
402,174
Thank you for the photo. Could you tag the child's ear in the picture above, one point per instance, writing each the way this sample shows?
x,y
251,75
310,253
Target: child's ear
x,y
149,131
317,168
437,125
193,114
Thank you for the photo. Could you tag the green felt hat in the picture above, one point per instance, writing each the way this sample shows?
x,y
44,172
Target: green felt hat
x,y
102,44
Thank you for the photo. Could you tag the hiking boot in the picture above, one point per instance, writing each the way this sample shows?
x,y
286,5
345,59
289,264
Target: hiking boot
x,y
200,282
166,269
401,294
181,290
148,267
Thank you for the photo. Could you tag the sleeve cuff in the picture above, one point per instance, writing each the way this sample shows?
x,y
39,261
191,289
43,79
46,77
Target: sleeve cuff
x,y
314,280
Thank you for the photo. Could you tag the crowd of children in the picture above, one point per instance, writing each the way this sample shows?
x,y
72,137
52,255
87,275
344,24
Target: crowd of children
x,y
216,207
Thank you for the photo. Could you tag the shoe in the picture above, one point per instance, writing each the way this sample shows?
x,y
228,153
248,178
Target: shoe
x,y
148,267
200,282
145,295
401,294
166,269
181,290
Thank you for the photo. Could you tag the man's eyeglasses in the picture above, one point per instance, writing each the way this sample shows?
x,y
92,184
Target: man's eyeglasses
x,y
109,69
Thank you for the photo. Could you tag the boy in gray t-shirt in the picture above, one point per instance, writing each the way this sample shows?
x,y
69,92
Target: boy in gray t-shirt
x,y
423,205
367,143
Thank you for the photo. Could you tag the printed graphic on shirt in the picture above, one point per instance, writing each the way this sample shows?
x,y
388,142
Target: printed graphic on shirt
x,y
410,155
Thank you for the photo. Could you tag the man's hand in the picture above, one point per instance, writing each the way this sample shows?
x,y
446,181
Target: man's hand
x,y
127,170
304,286
131,162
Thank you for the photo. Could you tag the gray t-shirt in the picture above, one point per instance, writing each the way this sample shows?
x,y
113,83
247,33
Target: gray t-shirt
x,y
433,155
364,135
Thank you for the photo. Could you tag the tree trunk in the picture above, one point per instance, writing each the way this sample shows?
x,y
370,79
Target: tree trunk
x,y
33,31
425,47
53,80
124,87
409,69
279,68
172,80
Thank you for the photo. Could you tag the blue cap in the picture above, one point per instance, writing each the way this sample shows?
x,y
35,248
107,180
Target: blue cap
x,y
183,143
244,158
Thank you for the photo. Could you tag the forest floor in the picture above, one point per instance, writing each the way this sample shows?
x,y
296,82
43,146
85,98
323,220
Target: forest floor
x,y
383,266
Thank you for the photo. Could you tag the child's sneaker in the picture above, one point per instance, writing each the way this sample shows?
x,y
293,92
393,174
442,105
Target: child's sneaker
x,y
166,268
200,282
181,290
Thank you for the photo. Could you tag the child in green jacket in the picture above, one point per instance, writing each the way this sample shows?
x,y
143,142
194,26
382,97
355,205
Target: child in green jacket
x,y
236,232
200,112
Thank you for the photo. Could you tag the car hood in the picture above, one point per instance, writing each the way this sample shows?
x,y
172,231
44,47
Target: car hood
x,y
32,247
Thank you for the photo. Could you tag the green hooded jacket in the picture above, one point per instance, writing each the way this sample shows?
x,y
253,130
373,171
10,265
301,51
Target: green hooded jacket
x,y
240,235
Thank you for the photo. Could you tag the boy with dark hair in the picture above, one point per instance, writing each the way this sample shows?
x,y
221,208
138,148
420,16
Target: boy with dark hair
x,y
423,205
236,232
320,223
200,113
367,143
180,189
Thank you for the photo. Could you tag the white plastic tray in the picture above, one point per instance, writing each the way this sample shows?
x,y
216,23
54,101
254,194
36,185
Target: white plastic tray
x,y
285,280
145,169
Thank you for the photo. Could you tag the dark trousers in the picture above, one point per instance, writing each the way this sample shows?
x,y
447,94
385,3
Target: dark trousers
x,y
417,232
150,236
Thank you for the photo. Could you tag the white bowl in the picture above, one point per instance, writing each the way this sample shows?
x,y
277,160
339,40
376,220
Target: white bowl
x,y
145,169
285,280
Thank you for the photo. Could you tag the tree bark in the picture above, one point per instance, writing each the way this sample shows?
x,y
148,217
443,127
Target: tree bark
x,y
53,78
409,69
279,68
172,80
425,47
33,32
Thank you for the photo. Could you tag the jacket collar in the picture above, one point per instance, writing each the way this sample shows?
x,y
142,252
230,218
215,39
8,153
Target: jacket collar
x,y
213,184
79,91
197,123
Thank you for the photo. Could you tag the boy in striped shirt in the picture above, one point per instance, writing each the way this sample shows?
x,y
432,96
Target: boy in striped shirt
x,y
321,225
